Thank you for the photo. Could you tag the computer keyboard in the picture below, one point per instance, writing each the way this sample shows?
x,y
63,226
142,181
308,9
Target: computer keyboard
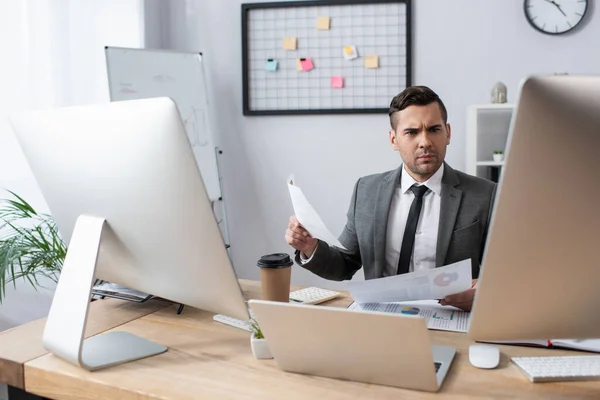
x,y
310,295
236,323
559,368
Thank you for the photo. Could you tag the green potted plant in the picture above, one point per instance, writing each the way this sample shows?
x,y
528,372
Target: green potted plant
x,y
498,155
30,245
258,343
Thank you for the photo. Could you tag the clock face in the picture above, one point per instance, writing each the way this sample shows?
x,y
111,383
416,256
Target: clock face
x,y
555,16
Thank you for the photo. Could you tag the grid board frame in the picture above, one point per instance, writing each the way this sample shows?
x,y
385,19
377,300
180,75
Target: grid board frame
x,y
288,91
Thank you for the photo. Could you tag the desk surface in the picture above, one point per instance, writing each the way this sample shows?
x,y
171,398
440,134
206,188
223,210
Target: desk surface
x,y
24,343
208,359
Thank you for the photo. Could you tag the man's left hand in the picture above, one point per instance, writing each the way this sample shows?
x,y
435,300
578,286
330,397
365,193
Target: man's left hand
x,y
462,300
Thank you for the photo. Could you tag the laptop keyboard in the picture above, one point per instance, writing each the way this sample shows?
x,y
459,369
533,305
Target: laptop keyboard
x,y
437,366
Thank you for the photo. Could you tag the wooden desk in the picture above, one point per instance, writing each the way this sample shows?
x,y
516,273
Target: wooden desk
x,y
24,343
208,359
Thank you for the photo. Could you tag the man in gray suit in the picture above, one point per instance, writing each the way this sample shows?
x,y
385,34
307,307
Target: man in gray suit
x,y
420,216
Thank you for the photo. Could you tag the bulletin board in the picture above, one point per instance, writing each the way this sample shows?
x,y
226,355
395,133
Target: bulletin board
x,y
324,57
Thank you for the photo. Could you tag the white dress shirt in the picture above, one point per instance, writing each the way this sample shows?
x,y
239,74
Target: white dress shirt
x,y
424,249
425,246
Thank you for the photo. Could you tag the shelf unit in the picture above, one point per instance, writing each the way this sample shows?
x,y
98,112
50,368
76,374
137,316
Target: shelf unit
x,y
489,163
487,131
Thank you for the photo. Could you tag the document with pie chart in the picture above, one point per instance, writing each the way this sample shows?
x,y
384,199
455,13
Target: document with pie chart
x,y
431,284
438,317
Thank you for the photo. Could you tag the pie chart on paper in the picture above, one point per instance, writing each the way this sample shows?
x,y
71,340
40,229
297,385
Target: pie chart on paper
x,y
410,311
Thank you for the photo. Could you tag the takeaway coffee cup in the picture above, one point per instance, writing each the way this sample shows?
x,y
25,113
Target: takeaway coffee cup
x,y
275,274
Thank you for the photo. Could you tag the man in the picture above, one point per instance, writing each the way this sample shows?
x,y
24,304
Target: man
x,y
420,216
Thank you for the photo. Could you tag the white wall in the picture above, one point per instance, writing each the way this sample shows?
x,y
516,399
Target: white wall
x,y
461,48
52,55
22,303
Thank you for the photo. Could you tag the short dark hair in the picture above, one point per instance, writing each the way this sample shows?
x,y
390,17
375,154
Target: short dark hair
x,y
415,96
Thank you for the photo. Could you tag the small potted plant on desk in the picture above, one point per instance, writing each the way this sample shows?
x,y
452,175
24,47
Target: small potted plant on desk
x,y
498,156
259,345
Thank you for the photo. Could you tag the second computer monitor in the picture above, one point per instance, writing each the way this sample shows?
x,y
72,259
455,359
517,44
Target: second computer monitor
x,y
541,269
131,164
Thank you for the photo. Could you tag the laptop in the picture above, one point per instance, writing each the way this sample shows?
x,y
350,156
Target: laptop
x,y
364,346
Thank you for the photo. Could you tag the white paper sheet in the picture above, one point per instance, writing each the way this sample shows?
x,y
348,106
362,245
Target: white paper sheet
x,y
445,318
436,283
309,218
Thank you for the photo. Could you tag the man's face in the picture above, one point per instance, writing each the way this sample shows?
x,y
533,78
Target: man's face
x,y
421,137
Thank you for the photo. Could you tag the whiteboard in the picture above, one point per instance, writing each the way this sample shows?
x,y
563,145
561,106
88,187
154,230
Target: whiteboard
x,y
142,73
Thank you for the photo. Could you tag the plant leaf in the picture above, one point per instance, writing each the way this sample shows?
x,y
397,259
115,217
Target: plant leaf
x,y
30,245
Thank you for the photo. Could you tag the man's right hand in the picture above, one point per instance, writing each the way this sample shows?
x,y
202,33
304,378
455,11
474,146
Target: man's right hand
x,y
299,238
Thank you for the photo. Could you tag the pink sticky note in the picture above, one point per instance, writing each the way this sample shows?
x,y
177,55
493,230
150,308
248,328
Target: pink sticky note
x,y
337,82
306,64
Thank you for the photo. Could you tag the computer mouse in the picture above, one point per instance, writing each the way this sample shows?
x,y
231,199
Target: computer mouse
x,y
484,356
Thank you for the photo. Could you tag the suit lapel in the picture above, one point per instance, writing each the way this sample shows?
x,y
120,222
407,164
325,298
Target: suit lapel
x,y
450,203
382,209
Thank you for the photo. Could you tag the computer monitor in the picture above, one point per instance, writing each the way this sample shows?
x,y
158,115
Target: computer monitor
x,y
123,185
541,268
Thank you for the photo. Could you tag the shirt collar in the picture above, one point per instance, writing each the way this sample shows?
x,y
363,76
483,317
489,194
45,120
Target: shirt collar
x,y
434,183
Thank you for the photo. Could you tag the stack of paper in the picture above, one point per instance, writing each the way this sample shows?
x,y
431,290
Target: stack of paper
x,y
445,318
396,295
121,292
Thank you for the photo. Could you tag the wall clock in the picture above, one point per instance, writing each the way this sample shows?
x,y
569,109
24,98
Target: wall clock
x,y
555,17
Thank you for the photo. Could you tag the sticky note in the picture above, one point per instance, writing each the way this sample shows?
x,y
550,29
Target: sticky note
x,y
371,62
289,43
306,64
298,65
337,82
271,65
350,53
323,23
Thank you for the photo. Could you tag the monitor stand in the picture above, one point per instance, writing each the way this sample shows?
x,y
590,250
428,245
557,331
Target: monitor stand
x,y
66,322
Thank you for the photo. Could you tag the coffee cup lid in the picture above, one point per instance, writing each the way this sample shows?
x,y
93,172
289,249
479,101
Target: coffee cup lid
x,y
276,260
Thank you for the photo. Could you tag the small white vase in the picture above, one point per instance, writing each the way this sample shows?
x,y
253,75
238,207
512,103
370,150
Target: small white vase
x,y
260,348
498,157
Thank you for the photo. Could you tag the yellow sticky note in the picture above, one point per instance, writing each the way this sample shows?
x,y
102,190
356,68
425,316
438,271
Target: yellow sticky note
x,y
289,43
299,65
371,62
323,23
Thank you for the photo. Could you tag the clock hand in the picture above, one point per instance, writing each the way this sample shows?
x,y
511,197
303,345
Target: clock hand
x,y
560,9
556,5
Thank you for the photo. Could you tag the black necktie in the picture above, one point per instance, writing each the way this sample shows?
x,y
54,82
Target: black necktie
x,y
408,240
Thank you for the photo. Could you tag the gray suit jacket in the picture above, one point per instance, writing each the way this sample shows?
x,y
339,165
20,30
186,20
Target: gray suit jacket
x,y
466,206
